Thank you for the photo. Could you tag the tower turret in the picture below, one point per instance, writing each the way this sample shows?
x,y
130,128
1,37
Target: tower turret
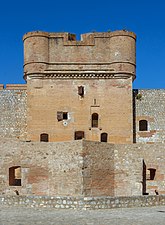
x,y
107,55
35,52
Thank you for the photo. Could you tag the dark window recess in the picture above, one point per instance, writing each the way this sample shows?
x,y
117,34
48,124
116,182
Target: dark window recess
x,y
15,176
65,115
143,125
151,175
62,116
44,137
81,90
104,137
95,118
79,135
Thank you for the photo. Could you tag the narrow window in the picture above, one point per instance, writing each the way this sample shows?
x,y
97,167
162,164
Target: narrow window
x,y
44,137
143,125
95,117
81,91
79,135
151,174
15,176
104,137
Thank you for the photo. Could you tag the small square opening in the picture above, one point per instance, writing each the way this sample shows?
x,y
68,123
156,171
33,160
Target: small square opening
x,y
65,115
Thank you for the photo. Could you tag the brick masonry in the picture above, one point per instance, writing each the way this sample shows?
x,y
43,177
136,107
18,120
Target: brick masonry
x,y
82,168
150,107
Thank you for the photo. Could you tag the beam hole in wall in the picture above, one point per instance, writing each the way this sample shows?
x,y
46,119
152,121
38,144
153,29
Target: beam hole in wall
x,y
143,125
44,137
79,135
15,176
95,118
104,137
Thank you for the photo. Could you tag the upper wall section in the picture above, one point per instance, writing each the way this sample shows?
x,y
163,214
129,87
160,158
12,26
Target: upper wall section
x,y
149,115
13,111
96,55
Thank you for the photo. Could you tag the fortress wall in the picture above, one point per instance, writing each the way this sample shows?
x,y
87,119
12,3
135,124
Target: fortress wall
x,y
82,168
111,170
13,110
150,107
149,156
98,172
127,170
46,168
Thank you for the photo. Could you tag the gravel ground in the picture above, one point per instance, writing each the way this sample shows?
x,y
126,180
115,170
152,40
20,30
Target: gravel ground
x,y
126,216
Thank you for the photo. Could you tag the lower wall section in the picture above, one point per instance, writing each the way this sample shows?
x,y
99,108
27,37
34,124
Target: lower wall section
x,y
81,168
82,202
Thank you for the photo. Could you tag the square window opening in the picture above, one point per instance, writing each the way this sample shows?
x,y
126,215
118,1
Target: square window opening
x,y
15,176
65,115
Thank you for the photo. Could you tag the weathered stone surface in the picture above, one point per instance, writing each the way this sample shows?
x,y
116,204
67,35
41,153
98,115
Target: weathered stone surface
x,y
82,203
150,107
13,111
82,168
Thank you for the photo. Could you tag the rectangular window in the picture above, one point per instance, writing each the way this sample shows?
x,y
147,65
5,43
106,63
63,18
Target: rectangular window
x,y
65,115
15,176
62,116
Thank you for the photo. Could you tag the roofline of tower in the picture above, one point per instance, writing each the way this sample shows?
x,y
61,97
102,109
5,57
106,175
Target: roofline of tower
x,y
85,36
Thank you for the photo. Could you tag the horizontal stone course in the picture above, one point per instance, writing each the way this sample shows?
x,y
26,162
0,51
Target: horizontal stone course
x,y
82,203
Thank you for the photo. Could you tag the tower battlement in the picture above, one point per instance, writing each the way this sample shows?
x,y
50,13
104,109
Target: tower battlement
x,y
96,55
86,39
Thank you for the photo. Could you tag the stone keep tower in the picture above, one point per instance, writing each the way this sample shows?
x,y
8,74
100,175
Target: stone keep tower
x,y
80,89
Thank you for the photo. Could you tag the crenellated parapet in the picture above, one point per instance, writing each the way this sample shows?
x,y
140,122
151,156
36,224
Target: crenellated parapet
x,y
96,55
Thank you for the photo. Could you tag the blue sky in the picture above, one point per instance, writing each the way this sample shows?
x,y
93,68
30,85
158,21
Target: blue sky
x,y
145,18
